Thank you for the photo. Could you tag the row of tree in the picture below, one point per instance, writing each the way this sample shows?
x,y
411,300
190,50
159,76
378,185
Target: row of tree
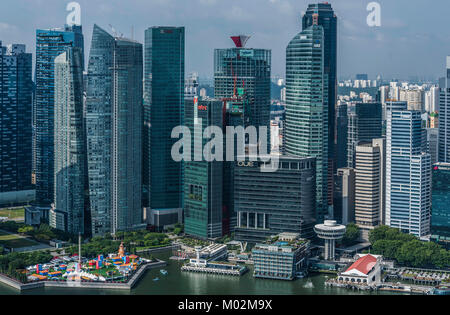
x,y
12,264
407,250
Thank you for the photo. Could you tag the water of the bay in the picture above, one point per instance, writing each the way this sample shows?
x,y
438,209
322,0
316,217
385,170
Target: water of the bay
x,y
184,283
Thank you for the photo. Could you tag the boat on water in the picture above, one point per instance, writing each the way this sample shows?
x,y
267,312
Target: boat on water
x,y
164,272
156,279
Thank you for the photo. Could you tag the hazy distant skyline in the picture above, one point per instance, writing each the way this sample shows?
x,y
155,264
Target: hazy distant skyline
x,y
412,39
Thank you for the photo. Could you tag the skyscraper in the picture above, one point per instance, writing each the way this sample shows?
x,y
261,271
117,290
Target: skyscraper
x,y
408,173
440,218
163,110
307,107
249,69
322,14
203,178
364,124
242,80
444,117
369,185
70,151
49,45
114,132
16,88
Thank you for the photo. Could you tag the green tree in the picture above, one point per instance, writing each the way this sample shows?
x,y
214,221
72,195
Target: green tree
x,y
351,235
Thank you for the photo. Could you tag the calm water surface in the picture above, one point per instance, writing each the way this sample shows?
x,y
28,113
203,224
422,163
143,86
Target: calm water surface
x,y
183,283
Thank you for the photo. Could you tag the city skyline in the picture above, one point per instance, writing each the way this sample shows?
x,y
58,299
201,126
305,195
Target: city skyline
x,y
389,50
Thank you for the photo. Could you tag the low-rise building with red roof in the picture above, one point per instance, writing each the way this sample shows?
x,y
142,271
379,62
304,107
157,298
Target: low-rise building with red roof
x,y
365,270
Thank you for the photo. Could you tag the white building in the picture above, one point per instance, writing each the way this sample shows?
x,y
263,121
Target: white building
x,y
365,270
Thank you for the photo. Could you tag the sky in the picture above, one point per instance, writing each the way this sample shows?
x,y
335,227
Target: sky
x,y
413,39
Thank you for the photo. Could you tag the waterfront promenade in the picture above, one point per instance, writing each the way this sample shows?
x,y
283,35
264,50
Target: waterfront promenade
x,y
84,284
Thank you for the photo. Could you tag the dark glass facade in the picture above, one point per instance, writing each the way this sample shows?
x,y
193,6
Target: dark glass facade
x,y
364,124
203,179
114,132
163,111
328,20
269,203
16,88
440,213
49,45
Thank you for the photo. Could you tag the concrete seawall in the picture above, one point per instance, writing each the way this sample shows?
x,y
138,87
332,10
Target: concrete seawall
x,y
87,285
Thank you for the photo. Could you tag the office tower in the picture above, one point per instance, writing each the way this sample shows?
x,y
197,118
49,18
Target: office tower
x,y
440,218
16,88
242,81
341,135
369,185
364,124
49,45
247,69
344,196
70,151
202,177
444,117
268,203
114,132
322,14
433,143
307,107
163,111
191,86
408,173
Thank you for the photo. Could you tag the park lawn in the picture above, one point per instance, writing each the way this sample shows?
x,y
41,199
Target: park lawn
x,y
13,214
15,241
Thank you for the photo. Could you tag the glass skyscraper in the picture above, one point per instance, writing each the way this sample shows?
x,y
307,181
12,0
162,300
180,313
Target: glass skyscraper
x,y
114,132
242,80
202,179
307,107
408,173
444,117
49,45
70,151
163,111
364,124
440,213
16,88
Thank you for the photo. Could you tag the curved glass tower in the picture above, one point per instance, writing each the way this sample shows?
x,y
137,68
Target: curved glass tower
x,y
307,106
70,151
114,132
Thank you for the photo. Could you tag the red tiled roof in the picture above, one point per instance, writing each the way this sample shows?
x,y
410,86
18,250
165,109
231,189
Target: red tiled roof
x,y
364,264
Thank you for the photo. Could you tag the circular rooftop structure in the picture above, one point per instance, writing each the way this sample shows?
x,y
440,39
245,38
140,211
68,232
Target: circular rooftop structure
x,y
330,230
